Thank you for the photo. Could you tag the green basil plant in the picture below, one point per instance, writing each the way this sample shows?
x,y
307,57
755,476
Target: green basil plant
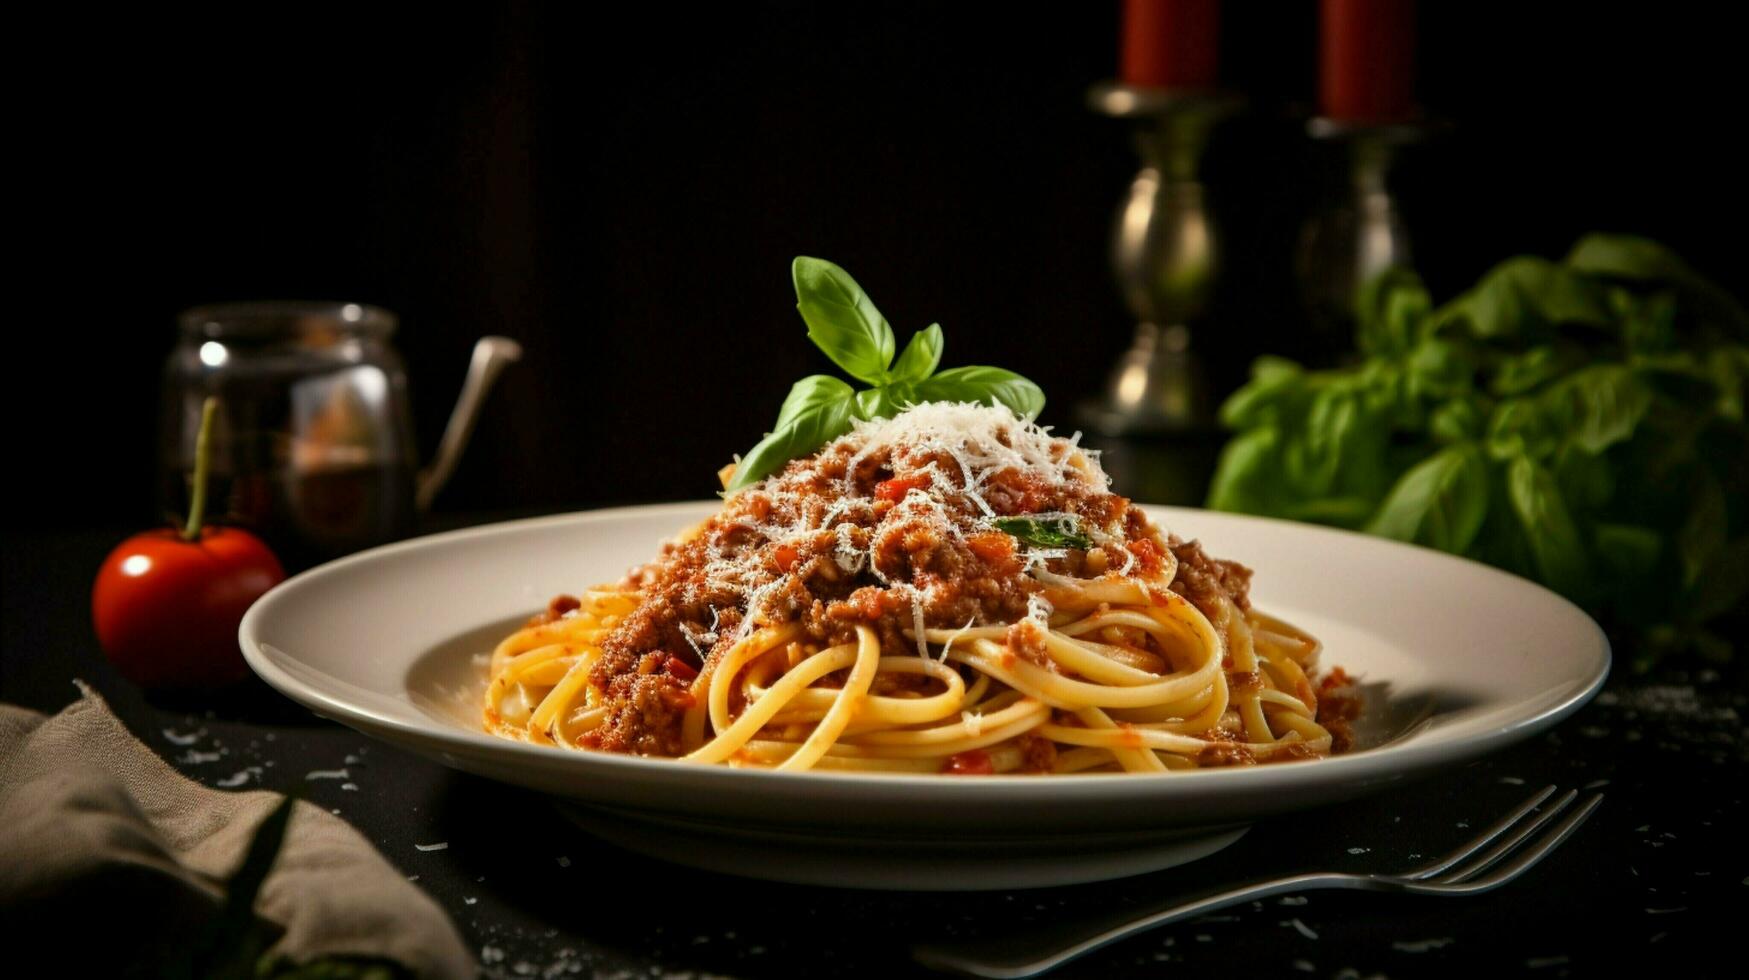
x,y
1580,423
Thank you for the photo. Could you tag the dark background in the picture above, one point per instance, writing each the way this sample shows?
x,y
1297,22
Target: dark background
x,y
622,189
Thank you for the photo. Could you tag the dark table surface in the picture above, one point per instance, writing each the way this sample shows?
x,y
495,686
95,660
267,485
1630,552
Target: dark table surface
x,y
1656,878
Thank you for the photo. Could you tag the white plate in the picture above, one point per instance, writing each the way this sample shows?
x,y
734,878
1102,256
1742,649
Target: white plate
x,y
1456,658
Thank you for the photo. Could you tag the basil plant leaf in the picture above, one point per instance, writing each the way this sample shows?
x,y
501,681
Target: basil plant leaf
x,y
986,385
807,430
1441,502
1245,479
1556,545
1275,387
1599,406
1524,299
1519,427
1391,309
1644,262
1728,368
842,321
1044,532
921,356
1520,374
1455,421
1705,529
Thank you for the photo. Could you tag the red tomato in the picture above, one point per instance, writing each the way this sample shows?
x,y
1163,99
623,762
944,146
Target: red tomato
x,y
166,610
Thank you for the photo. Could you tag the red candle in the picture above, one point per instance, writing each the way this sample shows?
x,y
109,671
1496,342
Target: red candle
x,y
1366,63
1170,43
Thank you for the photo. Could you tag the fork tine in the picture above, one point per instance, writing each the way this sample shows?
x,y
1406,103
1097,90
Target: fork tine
x,y
1483,839
1528,858
1474,866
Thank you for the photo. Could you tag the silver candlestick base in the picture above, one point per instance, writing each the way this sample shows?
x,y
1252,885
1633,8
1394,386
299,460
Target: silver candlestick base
x,y
1165,253
1359,232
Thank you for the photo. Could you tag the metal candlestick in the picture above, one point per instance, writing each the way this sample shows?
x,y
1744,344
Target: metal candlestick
x,y
1165,252
1359,233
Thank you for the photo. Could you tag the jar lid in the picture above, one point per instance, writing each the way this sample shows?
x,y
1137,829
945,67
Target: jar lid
x,y
288,319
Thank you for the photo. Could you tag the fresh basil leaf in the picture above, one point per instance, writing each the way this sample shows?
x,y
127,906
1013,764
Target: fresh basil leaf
x,y
1679,379
842,320
1275,382
1518,427
1644,262
1332,426
1502,542
884,402
1329,437
1628,257
1440,503
1391,311
1455,421
1437,368
921,356
1523,300
810,392
1704,530
1247,477
1729,368
1599,406
1648,326
986,385
808,430
1045,532
1553,537
1526,372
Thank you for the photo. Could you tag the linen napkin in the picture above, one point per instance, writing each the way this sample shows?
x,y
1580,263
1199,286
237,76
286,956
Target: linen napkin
x,y
96,828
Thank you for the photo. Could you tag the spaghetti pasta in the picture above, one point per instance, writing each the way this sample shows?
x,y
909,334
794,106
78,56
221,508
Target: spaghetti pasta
x,y
952,590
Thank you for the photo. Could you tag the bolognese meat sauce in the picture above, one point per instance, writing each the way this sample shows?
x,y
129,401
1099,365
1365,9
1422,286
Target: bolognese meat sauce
x,y
890,529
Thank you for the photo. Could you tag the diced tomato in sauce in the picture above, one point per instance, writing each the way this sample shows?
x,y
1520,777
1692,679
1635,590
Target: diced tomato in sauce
x,y
975,762
894,490
681,669
1147,555
996,549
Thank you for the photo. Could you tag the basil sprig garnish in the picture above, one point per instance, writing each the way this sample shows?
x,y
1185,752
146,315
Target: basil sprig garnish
x,y
845,324
1045,532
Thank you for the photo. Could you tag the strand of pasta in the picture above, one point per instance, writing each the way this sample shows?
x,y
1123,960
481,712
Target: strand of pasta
x,y
733,734
868,659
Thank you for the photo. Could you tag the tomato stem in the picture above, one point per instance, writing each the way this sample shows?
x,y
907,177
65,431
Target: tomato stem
x,y
202,458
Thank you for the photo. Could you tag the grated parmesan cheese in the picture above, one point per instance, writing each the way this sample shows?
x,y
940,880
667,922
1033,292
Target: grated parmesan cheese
x,y
837,523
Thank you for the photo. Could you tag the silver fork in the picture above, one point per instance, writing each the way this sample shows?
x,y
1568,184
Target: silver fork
x,y
1472,869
